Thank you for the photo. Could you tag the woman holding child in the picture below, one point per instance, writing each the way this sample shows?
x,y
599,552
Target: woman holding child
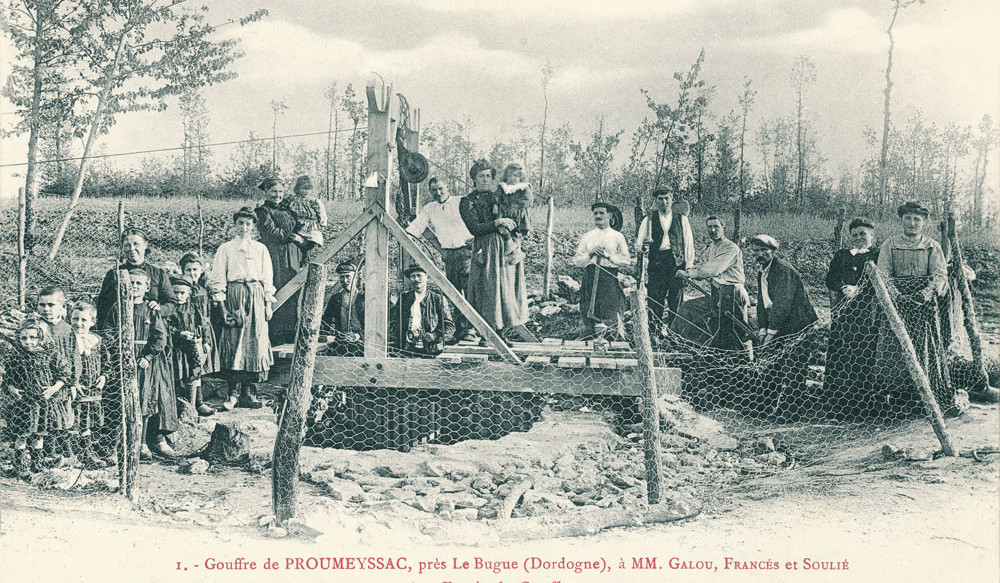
x,y
277,227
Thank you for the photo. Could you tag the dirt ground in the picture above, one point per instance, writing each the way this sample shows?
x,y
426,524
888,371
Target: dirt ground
x,y
890,516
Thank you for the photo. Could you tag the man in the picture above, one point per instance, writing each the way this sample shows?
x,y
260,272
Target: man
x,y
783,306
783,310
723,267
665,238
601,252
344,317
441,216
424,315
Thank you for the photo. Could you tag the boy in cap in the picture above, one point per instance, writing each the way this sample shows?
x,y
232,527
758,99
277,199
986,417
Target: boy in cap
x,y
424,317
344,317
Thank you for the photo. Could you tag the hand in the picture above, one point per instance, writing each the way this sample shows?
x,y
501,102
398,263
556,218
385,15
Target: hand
x,y
15,392
430,338
296,238
682,274
268,312
645,246
101,380
143,363
849,290
153,306
75,390
505,223
52,391
187,335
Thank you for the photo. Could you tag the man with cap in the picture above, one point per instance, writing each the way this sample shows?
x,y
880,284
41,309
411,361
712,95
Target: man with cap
x,y
423,316
783,310
442,218
666,239
344,318
601,252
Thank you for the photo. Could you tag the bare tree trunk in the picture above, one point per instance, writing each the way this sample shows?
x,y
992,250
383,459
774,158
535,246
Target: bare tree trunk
x,y
34,127
95,126
882,175
329,135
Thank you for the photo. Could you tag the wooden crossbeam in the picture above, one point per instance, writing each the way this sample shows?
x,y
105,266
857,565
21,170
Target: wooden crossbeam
x,y
329,251
454,296
433,374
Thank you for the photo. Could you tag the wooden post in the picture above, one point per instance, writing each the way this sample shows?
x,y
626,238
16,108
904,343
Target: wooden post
x,y
121,218
549,223
22,253
291,422
912,362
381,140
968,307
650,415
838,229
131,434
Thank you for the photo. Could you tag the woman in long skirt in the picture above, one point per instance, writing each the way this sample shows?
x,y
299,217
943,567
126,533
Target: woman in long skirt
x,y
242,279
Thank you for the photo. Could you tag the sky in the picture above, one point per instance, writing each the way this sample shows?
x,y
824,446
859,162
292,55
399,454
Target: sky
x,y
456,58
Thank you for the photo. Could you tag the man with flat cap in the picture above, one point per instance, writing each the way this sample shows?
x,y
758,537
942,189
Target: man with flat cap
x,y
424,316
783,310
666,238
344,318
602,252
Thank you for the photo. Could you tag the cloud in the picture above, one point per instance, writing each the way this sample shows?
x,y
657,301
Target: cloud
x,y
577,10
844,30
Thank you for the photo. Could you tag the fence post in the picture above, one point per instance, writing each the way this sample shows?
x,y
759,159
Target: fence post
x,y
121,218
291,424
911,360
969,319
549,223
131,434
647,402
22,253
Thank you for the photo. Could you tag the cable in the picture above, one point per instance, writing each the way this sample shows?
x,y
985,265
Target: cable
x,y
175,148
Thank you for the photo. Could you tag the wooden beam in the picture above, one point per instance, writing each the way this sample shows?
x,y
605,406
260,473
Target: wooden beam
x,y
527,349
433,374
332,248
454,296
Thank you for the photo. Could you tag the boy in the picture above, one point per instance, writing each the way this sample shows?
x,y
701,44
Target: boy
x,y
189,333
95,361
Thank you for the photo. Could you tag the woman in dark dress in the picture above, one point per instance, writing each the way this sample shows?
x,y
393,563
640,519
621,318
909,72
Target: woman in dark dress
x,y
849,379
276,226
134,247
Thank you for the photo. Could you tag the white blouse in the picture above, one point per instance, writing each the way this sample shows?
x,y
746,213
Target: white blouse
x,y
239,260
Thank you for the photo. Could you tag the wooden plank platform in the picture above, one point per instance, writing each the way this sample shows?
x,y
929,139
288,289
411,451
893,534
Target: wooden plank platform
x,y
572,362
526,349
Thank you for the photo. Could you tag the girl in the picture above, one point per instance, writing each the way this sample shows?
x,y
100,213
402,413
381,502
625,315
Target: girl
x,y
36,380
193,267
95,360
513,199
188,332
242,278
156,387
310,214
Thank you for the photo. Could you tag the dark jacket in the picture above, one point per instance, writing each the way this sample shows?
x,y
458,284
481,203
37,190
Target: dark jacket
x,y
846,269
343,315
160,292
435,319
791,310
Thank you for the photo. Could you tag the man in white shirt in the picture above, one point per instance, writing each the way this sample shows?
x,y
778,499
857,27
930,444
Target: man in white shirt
x,y
666,239
442,218
602,251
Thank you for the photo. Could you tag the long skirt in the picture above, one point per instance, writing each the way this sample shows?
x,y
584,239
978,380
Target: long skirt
x,y
246,347
286,261
497,288
849,384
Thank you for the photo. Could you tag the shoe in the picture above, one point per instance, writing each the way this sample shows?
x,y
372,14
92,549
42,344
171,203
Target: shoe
x,y
145,453
205,410
160,446
248,401
229,404
91,461
987,394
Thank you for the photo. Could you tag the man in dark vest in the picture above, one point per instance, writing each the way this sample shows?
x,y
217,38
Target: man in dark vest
x,y
665,237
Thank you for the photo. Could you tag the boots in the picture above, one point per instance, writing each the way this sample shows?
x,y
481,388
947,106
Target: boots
x,y
986,394
90,459
247,398
158,444
204,410
22,464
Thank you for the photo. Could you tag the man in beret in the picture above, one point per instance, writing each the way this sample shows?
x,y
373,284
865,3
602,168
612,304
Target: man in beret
x,y
601,252
424,317
344,318
783,310
442,218
666,239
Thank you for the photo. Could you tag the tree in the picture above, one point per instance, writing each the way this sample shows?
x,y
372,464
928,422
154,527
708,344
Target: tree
x,y
332,128
546,78
135,53
595,158
746,104
195,119
277,108
803,75
356,110
725,171
988,137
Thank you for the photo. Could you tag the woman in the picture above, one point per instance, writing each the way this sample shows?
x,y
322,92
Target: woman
x,y
917,270
497,288
276,226
853,330
134,247
242,277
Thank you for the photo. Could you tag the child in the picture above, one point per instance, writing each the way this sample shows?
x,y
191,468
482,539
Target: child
x,y
51,307
194,271
156,388
188,332
310,214
513,199
95,360
36,381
